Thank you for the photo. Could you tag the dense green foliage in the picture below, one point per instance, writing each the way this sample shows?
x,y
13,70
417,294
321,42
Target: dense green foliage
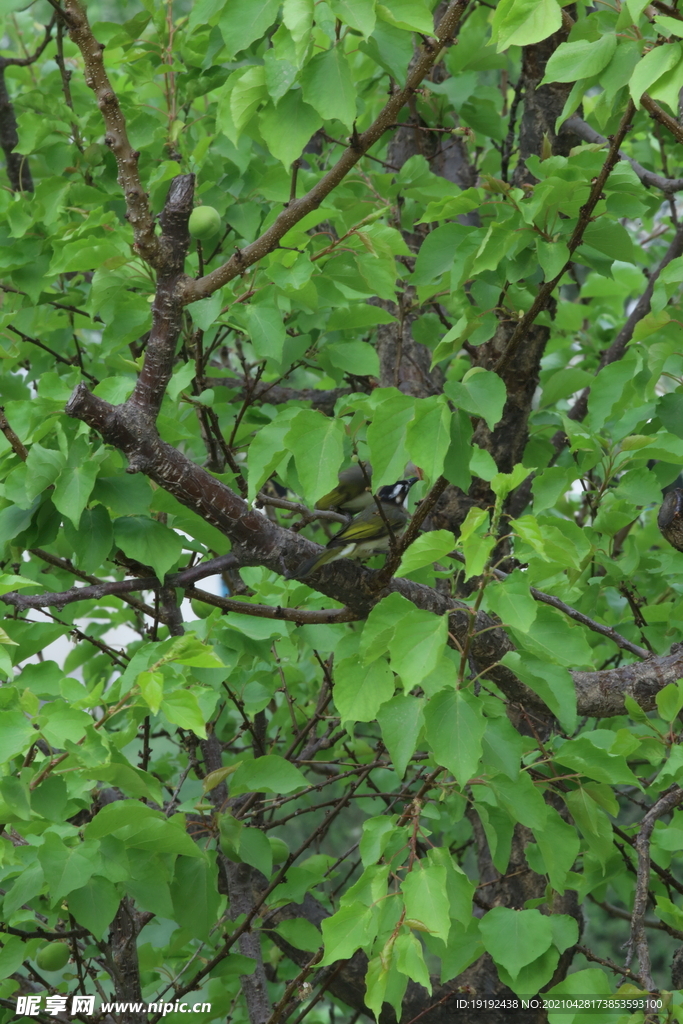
x,y
458,764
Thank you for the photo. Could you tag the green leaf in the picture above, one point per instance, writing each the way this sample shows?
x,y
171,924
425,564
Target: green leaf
x,y
429,547
611,238
387,616
512,602
270,774
247,95
328,87
551,637
515,938
587,757
670,701
152,689
92,540
437,253
401,720
44,466
12,955
195,895
359,14
416,648
454,729
410,959
413,15
523,22
360,315
521,799
297,15
552,256
255,849
149,542
182,708
267,450
352,927
559,845
265,328
31,637
286,128
428,435
317,444
552,683
457,462
377,834
593,823
76,481
386,435
29,883
94,905
423,892
68,868
653,65
243,21
481,393
360,691
582,59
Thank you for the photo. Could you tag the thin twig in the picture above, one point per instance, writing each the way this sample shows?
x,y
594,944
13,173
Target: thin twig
x,y
637,943
572,613
16,444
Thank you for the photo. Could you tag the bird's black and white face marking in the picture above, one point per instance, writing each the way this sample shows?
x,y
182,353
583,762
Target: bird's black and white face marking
x,y
396,494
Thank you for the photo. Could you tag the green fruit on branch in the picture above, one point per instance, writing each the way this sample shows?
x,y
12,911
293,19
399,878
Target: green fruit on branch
x,y
53,956
201,610
279,849
205,222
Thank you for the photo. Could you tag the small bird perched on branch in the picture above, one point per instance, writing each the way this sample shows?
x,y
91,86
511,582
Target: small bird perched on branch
x,y
370,532
352,493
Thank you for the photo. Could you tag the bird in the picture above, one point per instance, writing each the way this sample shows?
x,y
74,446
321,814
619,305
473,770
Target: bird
x,y
352,493
367,533
670,518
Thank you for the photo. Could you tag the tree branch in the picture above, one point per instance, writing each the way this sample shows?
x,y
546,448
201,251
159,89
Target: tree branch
x,y
585,215
661,115
597,627
429,53
639,311
581,128
258,541
116,137
637,943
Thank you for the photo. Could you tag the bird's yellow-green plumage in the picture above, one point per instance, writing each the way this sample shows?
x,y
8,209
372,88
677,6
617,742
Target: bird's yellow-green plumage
x,y
367,534
352,492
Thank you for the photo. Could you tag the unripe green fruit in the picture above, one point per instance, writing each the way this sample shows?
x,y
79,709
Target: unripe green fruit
x,y
279,849
205,221
201,610
53,957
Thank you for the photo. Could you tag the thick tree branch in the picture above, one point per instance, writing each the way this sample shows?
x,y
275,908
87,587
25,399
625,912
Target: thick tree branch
x,y
258,541
430,52
116,137
276,394
166,309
